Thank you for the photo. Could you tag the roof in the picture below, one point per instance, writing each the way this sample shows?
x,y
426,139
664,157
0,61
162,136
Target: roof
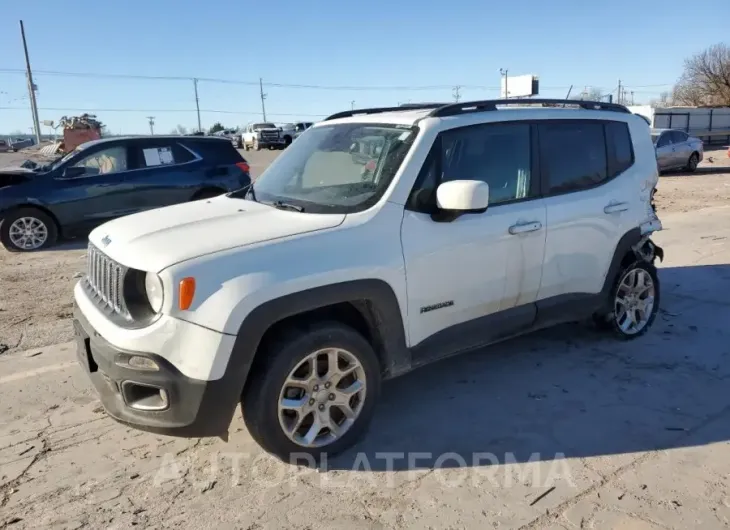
x,y
411,113
155,137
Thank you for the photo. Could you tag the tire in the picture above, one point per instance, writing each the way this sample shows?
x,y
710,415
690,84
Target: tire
x,y
694,159
260,403
287,140
40,221
614,322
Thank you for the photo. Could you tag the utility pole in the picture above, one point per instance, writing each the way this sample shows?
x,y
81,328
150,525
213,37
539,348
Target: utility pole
x,y
457,93
619,92
152,124
263,97
197,103
31,88
352,105
504,73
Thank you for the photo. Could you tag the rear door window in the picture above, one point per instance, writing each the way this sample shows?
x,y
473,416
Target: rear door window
x,y
573,155
161,154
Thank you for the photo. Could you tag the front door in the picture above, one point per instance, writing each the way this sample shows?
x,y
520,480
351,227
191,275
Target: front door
x,y
464,275
665,152
97,195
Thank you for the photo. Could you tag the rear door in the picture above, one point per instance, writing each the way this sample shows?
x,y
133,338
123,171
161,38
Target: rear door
x,y
164,173
588,203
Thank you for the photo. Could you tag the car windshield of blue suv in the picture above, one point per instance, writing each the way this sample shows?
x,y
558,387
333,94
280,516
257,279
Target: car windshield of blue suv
x,y
340,168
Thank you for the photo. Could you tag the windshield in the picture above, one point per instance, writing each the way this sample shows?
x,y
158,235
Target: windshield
x,y
56,163
336,168
263,126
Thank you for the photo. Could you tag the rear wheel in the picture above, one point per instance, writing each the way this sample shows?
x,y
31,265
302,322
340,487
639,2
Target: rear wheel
x,y
28,229
692,163
314,392
634,302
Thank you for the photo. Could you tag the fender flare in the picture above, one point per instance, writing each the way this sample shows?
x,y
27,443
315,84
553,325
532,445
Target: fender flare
x,y
628,243
374,299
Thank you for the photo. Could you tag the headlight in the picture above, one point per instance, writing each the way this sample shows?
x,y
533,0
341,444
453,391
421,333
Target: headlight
x,y
153,287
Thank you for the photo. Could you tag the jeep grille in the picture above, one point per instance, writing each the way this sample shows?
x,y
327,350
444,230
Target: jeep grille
x,y
105,279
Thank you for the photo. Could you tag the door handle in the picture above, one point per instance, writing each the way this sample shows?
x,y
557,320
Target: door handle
x,y
616,207
525,227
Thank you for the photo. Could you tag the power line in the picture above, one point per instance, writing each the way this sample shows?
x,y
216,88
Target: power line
x,y
282,85
215,111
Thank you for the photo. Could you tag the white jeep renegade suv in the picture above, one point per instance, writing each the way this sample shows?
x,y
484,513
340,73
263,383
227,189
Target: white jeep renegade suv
x,y
381,240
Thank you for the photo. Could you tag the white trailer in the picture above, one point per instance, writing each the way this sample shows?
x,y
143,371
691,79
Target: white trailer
x,y
712,125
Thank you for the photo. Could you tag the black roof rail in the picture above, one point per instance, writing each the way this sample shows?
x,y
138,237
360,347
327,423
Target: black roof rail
x,y
378,110
465,107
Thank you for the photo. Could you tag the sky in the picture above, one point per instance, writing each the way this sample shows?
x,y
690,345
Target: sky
x,y
336,53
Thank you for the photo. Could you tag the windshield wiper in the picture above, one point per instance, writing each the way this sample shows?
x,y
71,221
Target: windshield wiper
x,y
281,205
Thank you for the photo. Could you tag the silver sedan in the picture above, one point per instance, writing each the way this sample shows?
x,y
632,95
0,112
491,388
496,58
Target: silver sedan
x,y
676,149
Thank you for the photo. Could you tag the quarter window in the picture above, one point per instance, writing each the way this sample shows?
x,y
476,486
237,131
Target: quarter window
x,y
620,149
573,155
498,154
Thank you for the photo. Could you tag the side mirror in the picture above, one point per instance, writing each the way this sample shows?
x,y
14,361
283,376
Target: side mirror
x,y
74,172
463,196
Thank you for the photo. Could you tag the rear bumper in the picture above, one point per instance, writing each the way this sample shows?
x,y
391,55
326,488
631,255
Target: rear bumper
x,y
178,405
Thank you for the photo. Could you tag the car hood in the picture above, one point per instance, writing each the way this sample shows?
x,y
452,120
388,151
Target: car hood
x,y
157,239
16,170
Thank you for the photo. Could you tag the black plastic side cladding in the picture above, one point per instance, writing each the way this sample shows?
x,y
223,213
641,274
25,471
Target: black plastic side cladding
x,y
374,299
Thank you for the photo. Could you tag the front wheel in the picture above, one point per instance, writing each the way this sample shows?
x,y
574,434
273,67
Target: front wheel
x,y
314,393
692,163
27,230
635,302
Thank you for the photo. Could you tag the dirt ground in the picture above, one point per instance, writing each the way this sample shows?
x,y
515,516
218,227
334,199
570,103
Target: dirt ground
x,y
36,289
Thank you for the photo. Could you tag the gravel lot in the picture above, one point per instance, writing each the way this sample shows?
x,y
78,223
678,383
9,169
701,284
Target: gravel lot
x,y
564,429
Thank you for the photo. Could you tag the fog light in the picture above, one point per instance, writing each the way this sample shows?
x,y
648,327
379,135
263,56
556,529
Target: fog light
x,y
137,362
145,397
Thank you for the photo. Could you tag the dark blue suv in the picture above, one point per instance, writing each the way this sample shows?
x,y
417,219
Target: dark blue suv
x,y
109,178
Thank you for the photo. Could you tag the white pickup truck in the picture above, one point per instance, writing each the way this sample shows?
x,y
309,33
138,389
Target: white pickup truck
x,y
262,135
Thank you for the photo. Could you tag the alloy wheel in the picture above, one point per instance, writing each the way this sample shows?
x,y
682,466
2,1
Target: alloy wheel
x,y
28,233
322,397
634,302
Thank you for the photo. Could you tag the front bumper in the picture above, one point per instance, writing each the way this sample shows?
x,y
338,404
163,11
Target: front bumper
x,y
183,406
